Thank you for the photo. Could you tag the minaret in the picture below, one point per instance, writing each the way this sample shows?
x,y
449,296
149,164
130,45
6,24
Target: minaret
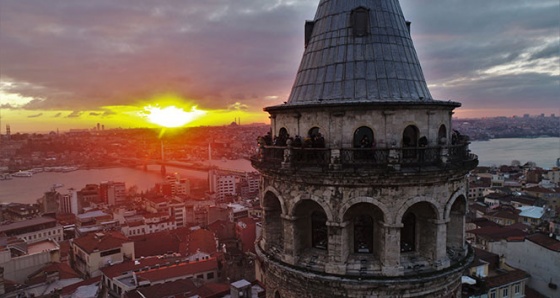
x,y
370,199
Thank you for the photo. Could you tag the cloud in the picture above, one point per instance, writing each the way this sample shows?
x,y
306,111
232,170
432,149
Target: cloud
x,y
85,55
57,115
238,107
74,114
94,114
35,115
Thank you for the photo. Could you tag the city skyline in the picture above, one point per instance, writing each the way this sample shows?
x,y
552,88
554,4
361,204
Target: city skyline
x,y
75,64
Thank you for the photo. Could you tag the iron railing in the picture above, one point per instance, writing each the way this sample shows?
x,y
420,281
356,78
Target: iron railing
x,y
295,157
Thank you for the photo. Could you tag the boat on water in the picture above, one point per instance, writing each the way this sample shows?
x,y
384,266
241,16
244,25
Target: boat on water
x,y
24,174
5,176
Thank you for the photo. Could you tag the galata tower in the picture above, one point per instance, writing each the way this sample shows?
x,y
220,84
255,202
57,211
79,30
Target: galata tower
x,y
363,186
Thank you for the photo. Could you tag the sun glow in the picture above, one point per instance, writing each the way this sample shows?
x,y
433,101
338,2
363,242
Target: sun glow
x,y
171,116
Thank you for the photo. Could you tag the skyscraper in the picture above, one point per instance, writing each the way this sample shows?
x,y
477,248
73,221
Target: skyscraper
x,y
363,187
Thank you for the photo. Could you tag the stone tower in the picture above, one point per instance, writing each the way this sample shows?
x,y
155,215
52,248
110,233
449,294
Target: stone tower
x,y
363,179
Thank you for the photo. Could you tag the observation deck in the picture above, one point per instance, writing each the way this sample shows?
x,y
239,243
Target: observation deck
x,y
405,159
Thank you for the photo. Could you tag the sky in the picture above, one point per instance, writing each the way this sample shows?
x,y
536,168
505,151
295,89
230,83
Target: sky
x,y
72,64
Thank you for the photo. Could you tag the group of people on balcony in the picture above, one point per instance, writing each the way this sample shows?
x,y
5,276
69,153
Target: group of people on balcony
x,y
314,140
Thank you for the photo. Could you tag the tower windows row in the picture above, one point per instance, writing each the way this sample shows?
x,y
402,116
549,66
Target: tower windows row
x,y
363,138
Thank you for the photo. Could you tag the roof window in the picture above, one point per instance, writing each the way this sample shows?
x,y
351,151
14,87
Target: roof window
x,y
360,21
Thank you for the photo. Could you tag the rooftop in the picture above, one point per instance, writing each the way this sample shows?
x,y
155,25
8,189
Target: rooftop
x,y
173,271
26,223
101,241
359,51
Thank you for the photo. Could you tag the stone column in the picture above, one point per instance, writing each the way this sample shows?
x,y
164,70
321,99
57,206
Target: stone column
x,y
390,254
290,239
337,247
440,255
456,230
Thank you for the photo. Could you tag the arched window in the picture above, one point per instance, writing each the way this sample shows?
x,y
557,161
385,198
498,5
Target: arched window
x,y
277,295
408,233
363,234
363,137
360,21
282,137
442,135
410,141
319,235
313,132
314,139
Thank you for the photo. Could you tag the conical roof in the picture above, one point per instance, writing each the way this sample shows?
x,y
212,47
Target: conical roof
x,y
359,51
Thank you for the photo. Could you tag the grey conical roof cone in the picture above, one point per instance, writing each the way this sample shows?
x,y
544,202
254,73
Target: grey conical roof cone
x,y
359,51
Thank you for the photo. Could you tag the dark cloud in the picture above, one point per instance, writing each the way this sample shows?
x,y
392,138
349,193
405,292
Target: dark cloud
x,y
84,55
74,114
57,115
108,113
35,115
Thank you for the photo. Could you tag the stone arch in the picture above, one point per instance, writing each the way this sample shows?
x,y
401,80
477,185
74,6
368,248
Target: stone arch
x,y
273,224
384,210
457,195
408,203
311,220
273,190
298,200
363,229
419,232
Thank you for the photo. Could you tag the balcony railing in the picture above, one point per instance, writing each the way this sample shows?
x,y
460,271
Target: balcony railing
x,y
342,158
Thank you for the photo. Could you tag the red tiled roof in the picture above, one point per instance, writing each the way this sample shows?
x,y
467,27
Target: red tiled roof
x,y
168,241
128,266
540,189
181,288
176,271
545,241
498,233
506,278
72,288
482,222
63,269
101,241
202,240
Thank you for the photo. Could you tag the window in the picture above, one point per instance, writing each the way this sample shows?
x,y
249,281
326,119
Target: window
x,y
505,292
210,275
319,230
408,233
110,252
517,288
360,21
363,234
493,294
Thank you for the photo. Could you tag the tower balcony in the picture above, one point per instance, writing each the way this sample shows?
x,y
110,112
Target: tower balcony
x,y
360,159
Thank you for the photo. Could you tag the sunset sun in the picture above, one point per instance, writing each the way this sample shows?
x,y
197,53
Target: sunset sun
x,y
171,116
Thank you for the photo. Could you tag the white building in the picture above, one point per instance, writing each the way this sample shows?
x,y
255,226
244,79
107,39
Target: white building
x,y
222,183
34,230
539,255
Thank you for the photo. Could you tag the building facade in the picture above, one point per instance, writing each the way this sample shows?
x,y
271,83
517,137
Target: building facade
x,y
363,183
